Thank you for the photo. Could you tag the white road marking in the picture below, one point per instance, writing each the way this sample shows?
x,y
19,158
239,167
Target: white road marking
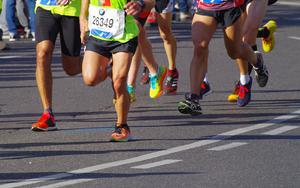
x,y
9,57
156,164
280,130
215,139
293,37
227,146
288,3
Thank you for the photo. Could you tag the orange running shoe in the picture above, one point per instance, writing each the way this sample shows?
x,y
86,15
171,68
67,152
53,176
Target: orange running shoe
x,y
45,123
121,133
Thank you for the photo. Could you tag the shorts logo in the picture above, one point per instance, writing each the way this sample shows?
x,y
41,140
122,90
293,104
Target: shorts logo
x,y
101,12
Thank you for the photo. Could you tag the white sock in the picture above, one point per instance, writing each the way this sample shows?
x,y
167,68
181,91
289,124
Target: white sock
x,y
205,79
244,79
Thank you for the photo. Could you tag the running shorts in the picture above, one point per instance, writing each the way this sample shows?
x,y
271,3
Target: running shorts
x,y
164,6
49,25
225,18
107,48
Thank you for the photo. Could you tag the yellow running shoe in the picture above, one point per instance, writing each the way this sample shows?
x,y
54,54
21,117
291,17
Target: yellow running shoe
x,y
156,82
233,97
269,42
131,92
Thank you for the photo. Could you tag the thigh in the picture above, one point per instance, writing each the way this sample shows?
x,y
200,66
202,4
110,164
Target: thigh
x,y
47,26
93,64
203,28
164,21
255,12
121,61
70,36
233,36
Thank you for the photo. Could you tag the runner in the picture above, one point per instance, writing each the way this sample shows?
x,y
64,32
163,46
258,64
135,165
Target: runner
x,y
208,16
253,16
157,73
112,35
254,12
55,17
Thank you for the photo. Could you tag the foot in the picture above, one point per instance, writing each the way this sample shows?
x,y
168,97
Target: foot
x,y
244,94
261,72
171,81
131,92
156,82
121,133
145,76
233,97
204,89
268,43
190,105
45,123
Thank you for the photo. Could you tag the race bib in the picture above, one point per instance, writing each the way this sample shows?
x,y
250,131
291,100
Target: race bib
x,y
212,1
106,23
48,2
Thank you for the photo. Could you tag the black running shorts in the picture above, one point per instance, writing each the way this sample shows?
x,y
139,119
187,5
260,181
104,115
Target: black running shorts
x,y
107,48
49,25
225,18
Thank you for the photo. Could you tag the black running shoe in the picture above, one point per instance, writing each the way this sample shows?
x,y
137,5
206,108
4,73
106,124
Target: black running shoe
x,y
261,72
190,105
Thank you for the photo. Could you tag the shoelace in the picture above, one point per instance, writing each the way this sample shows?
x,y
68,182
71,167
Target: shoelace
x,y
243,91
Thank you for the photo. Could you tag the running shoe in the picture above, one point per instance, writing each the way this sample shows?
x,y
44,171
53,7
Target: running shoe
x,y
261,72
244,94
204,89
131,92
190,105
121,133
271,2
269,42
156,82
145,76
45,123
233,97
171,81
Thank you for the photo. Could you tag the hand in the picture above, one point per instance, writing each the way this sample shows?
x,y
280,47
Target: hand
x,y
84,29
63,2
133,8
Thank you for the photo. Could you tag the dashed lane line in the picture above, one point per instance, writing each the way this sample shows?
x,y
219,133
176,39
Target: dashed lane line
x,y
227,146
156,164
280,130
194,145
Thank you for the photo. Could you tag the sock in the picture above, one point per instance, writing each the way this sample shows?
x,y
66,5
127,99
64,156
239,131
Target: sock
x,y
263,32
244,79
205,79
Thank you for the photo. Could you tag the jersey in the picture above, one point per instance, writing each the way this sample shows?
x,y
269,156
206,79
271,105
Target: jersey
x,y
108,21
72,9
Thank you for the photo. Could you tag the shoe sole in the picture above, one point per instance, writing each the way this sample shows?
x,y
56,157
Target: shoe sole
x,y
37,129
121,140
184,109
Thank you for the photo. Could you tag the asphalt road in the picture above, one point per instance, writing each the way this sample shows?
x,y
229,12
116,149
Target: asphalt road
x,y
228,146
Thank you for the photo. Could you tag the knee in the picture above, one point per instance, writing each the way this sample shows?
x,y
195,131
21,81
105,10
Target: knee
x,y
200,48
89,79
119,85
166,36
72,65
43,56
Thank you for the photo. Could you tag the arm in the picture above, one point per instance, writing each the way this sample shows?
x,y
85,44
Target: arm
x,y
135,7
83,19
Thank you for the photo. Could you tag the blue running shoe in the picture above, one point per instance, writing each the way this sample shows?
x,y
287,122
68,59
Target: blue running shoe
x,y
244,94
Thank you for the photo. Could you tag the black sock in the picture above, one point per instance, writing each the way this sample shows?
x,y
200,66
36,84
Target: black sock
x,y
50,111
263,33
